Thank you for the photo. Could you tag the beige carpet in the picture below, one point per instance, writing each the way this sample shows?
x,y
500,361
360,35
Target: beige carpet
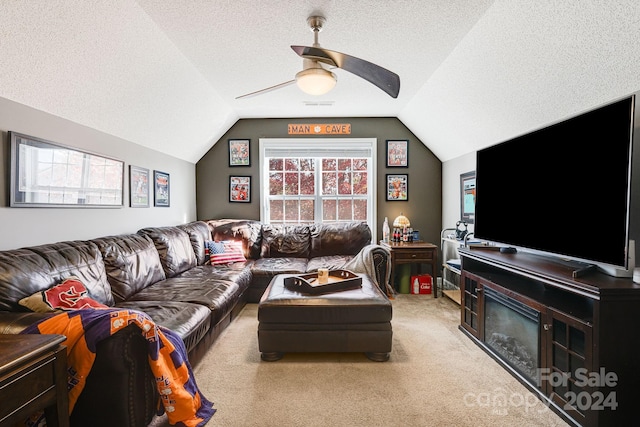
x,y
435,377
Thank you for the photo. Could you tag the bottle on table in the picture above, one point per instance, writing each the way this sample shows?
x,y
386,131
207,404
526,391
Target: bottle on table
x,y
385,230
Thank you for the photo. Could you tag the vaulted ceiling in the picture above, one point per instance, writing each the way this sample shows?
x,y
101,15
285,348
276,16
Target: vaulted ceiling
x,y
166,74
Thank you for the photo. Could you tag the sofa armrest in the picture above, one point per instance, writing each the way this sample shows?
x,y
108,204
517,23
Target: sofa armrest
x,y
120,389
374,260
15,322
381,265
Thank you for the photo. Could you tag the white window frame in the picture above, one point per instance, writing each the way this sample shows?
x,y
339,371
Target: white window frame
x,y
326,147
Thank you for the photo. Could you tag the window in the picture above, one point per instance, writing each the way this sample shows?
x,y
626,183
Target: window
x,y
317,180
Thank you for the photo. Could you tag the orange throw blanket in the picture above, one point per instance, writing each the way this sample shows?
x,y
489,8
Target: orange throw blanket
x,y
179,394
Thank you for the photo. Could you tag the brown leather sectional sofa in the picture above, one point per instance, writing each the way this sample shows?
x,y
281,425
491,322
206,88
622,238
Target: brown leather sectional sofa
x,y
163,271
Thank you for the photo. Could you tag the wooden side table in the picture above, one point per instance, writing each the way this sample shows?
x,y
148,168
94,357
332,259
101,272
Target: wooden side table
x,y
33,377
414,253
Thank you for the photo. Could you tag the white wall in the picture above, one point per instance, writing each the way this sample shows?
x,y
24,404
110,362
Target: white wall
x,y
451,171
21,227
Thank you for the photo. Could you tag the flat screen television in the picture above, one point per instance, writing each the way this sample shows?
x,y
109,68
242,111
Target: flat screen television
x,y
562,190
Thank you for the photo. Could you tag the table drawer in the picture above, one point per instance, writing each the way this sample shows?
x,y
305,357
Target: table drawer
x,y
17,389
414,256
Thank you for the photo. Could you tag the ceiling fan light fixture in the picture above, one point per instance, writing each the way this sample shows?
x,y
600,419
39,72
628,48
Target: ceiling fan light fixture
x,y
316,81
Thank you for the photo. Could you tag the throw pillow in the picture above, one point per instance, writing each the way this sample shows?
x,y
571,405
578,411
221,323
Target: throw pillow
x,y
71,294
226,252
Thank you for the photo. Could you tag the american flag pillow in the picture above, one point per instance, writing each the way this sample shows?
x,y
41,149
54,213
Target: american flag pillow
x,y
226,252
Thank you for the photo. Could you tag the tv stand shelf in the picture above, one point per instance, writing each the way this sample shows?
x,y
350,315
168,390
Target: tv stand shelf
x,y
586,324
555,272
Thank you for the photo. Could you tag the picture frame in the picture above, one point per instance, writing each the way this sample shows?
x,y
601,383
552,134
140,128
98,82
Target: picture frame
x,y
161,189
239,152
468,197
48,174
397,187
239,189
138,187
398,153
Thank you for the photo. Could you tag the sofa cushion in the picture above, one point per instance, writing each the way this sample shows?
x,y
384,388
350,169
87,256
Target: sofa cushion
x,y
219,296
236,272
190,321
174,247
132,263
263,270
22,273
199,233
332,262
71,294
285,241
341,238
246,230
76,258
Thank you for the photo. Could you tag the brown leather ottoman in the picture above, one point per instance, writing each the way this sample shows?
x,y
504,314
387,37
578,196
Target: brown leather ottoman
x,y
356,320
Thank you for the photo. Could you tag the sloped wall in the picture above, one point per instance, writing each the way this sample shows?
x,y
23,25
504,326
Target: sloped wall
x,y
21,227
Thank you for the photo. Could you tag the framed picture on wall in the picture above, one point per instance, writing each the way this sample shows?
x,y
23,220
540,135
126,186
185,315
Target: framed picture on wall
x,y
397,154
239,152
138,187
161,187
468,197
240,189
397,187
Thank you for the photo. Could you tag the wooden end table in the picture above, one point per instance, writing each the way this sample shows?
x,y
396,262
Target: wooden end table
x,y
33,377
414,253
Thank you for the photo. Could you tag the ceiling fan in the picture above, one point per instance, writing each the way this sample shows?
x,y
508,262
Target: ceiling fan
x,y
315,79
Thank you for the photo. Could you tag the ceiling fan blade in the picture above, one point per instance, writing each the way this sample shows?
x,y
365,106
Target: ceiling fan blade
x,y
265,90
386,80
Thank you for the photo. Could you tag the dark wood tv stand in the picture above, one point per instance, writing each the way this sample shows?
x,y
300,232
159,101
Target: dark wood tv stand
x,y
589,331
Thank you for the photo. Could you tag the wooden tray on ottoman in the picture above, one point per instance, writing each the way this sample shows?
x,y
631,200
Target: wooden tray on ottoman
x,y
339,280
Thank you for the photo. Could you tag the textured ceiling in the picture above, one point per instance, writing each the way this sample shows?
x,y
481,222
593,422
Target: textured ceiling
x,y
165,74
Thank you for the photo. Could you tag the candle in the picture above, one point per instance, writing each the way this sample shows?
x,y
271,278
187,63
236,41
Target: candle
x,y
323,275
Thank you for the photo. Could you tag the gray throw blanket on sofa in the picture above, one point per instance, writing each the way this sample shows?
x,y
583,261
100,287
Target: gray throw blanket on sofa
x,y
363,263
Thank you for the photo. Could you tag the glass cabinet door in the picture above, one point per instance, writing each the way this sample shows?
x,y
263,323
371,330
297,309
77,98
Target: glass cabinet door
x,y
471,315
569,364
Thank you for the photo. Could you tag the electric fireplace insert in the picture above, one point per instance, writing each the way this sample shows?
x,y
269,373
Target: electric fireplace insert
x,y
512,331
